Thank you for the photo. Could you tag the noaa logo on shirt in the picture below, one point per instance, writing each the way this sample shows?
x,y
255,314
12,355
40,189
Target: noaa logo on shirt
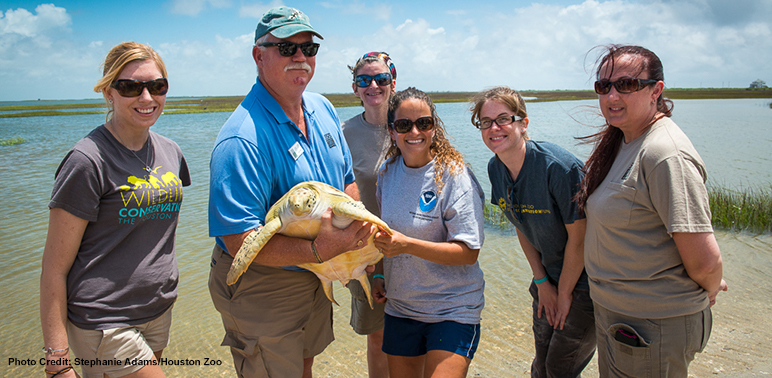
x,y
427,201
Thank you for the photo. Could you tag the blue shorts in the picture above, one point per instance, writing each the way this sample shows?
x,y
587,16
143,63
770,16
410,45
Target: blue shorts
x,y
411,338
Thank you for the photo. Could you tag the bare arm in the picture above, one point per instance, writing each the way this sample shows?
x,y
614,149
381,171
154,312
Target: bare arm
x,y
447,253
548,296
702,260
352,190
285,251
573,265
65,232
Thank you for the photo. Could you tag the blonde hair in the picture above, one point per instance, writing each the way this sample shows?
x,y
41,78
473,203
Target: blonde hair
x,y
117,59
444,154
505,95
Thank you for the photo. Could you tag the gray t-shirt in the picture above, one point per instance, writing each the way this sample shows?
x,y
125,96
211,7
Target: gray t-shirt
x,y
125,272
368,144
416,288
654,188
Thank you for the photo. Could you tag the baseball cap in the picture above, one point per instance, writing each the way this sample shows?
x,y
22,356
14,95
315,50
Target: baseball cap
x,y
284,22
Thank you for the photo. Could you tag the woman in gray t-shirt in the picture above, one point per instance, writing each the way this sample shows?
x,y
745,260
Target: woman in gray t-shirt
x,y
433,281
110,275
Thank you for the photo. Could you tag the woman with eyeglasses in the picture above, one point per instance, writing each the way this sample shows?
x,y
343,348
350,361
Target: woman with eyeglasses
x,y
109,277
433,287
653,262
375,79
534,184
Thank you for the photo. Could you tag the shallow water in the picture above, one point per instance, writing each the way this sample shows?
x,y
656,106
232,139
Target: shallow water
x,y
739,345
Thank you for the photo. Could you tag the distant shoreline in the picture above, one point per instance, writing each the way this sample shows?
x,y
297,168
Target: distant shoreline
x,y
184,105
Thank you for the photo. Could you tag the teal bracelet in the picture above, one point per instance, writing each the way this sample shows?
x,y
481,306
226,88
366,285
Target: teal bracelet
x,y
540,281
379,276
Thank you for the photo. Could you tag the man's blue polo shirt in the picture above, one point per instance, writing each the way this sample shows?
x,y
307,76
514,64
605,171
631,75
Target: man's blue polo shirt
x,y
260,154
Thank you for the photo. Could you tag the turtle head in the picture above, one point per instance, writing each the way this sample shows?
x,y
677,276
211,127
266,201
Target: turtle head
x,y
303,201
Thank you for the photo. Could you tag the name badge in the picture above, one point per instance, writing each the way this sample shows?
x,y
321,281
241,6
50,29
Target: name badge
x,y
296,150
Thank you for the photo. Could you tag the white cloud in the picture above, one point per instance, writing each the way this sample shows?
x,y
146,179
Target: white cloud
x,y
538,46
23,23
37,59
225,67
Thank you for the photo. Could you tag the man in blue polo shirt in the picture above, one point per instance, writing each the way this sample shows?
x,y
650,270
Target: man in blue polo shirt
x,y
276,316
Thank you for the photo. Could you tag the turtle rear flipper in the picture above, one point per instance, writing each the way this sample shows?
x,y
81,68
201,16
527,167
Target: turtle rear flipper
x,y
327,286
252,245
366,286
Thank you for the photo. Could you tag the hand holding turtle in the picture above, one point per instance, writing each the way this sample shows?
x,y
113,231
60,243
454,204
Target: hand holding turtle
x,y
333,241
391,245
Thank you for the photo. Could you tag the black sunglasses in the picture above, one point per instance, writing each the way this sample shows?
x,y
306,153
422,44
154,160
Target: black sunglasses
x,y
290,48
382,79
622,85
133,88
405,125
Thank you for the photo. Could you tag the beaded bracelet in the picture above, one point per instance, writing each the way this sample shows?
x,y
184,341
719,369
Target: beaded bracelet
x,y
55,373
316,254
540,281
379,276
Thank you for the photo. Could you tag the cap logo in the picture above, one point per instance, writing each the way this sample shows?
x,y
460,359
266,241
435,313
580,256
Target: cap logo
x,y
295,14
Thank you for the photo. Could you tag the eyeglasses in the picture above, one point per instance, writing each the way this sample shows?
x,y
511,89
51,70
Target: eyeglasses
x,y
501,121
382,79
405,125
133,88
622,85
290,48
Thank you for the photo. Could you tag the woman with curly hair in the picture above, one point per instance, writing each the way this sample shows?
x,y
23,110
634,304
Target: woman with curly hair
x,y
433,282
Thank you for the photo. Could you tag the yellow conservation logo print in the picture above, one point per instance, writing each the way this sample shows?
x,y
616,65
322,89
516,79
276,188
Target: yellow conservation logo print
x,y
152,197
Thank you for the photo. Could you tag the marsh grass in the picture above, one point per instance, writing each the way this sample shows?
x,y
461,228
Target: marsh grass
x,y
495,217
742,210
748,210
184,105
12,141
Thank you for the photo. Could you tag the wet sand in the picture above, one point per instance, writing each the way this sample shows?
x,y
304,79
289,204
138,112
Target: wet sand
x,y
739,345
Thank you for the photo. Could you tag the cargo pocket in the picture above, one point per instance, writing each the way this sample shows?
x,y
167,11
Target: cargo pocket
x,y
630,354
247,358
707,327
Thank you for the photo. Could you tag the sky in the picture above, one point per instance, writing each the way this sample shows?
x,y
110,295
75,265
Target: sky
x,y
53,51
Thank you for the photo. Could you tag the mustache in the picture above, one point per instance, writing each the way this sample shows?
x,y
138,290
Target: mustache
x,y
298,66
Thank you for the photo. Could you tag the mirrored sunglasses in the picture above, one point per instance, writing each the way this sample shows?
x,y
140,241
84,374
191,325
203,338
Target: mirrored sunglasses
x,y
290,48
382,79
622,85
133,88
405,125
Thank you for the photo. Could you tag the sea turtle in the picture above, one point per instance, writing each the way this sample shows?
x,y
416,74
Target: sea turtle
x,y
298,214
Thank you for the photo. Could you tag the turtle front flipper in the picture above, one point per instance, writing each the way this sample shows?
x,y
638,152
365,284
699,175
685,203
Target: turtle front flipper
x,y
252,245
355,210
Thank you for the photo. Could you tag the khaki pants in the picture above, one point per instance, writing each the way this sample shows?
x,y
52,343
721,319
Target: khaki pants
x,y
103,349
274,318
364,320
664,349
